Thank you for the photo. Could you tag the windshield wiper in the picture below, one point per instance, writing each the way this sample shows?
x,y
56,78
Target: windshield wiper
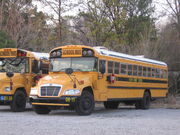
x,y
17,64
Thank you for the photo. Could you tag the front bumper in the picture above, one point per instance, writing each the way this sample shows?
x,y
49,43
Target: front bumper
x,y
49,101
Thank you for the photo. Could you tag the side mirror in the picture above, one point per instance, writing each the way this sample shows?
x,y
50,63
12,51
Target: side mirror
x,y
102,69
9,74
69,71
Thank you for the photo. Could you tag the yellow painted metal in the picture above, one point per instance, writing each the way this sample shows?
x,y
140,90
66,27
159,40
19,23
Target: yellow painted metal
x,y
19,80
99,83
50,104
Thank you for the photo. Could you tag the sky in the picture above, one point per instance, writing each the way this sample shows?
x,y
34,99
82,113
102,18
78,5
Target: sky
x,y
161,11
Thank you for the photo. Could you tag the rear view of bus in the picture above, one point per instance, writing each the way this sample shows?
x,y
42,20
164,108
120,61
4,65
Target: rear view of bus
x,y
18,70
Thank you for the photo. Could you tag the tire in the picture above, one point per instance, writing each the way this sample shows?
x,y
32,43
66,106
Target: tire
x,y
41,109
19,102
111,104
138,105
129,103
145,102
85,104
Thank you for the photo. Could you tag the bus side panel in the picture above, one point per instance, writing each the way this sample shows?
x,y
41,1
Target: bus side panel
x,y
158,93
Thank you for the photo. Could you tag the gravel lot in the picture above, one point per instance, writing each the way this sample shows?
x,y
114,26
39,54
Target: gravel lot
x,y
124,121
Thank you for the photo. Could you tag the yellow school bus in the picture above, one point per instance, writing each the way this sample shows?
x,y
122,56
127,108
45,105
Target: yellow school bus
x,y
19,71
81,75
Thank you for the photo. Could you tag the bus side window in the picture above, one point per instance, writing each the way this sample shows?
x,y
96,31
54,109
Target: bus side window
x,y
110,67
165,74
35,66
102,66
157,73
116,69
161,73
144,71
140,71
44,67
135,70
95,65
149,72
123,69
153,72
130,69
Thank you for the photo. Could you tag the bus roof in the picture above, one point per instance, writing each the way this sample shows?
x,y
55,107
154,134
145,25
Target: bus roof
x,y
106,52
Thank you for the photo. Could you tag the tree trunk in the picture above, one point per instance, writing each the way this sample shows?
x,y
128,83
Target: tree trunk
x,y
59,24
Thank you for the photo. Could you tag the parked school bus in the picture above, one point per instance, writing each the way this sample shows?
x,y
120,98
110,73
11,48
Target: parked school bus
x,y
79,76
19,71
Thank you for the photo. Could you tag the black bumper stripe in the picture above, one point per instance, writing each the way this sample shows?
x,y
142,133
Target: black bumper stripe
x,y
122,87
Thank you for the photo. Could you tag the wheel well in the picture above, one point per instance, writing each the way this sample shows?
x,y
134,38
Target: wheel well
x,y
89,89
148,90
22,89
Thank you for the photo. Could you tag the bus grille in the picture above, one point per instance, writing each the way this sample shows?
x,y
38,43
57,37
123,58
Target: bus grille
x,y
50,90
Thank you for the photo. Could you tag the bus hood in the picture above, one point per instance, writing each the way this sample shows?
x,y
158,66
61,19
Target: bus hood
x,y
65,80
3,78
4,82
17,80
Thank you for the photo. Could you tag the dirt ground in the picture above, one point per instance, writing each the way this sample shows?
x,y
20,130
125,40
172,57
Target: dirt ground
x,y
123,121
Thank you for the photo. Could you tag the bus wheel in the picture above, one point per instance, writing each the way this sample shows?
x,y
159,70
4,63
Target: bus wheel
x,y
138,105
19,102
41,109
111,104
145,102
85,104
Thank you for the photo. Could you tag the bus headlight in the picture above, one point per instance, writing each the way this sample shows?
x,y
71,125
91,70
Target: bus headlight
x,y
34,91
84,53
58,53
54,54
72,92
7,89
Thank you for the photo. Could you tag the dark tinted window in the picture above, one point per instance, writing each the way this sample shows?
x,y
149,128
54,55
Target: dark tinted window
x,y
153,72
130,69
157,73
140,71
144,71
135,70
116,69
149,72
164,74
110,67
102,64
161,73
123,69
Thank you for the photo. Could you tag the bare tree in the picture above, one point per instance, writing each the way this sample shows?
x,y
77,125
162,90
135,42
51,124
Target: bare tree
x,y
24,24
59,7
174,5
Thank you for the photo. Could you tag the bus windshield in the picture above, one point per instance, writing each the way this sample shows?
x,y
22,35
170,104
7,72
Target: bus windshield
x,y
77,64
16,65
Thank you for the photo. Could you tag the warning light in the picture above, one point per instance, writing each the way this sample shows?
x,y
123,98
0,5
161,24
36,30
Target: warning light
x,y
21,53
